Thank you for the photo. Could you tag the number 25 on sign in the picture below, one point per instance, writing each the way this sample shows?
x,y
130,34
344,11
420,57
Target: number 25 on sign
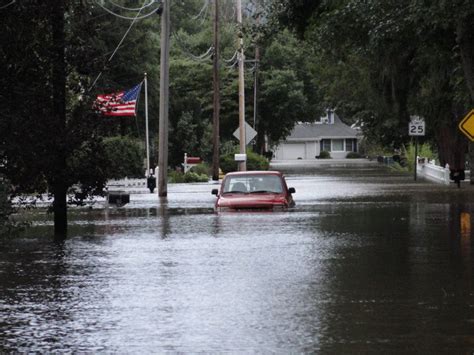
x,y
416,127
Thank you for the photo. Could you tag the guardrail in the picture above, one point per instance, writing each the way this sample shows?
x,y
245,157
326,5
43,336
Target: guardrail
x,y
428,169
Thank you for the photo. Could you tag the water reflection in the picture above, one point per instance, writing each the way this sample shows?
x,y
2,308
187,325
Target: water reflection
x,y
365,263
163,213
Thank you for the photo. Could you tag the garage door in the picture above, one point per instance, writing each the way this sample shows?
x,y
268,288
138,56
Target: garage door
x,y
293,151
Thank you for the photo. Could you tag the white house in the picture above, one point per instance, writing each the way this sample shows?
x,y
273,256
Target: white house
x,y
307,140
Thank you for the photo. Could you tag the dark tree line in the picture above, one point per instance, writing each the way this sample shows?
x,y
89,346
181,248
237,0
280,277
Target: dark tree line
x,y
384,61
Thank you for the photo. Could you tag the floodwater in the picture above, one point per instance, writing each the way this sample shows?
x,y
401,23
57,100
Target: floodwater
x,y
368,261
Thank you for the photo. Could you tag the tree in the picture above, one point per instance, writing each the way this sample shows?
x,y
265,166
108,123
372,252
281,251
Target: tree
x,y
406,50
46,122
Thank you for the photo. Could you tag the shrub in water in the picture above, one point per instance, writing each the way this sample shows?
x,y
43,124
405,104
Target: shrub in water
x,y
254,162
353,155
324,155
201,169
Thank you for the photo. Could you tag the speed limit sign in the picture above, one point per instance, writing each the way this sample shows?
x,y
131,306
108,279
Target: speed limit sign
x,y
416,127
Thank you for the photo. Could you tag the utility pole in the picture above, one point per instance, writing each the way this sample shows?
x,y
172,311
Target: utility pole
x,y
241,59
255,86
147,139
164,101
216,99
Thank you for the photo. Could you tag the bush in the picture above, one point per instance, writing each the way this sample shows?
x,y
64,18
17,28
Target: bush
x,y
353,155
424,150
324,155
254,162
193,177
124,158
201,169
176,177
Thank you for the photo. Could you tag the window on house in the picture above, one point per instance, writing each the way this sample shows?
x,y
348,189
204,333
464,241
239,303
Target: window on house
x,y
338,145
350,145
326,145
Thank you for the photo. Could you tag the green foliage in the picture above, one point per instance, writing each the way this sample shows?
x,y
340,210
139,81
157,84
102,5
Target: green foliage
x,y
282,103
254,162
381,62
398,168
373,150
194,177
201,169
124,158
353,155
424,151
176,177
324,154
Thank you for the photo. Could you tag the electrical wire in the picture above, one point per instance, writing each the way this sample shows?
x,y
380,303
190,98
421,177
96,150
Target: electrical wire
x,y
133,9
117,48
233,58
203,57
204,8
151,13
5,6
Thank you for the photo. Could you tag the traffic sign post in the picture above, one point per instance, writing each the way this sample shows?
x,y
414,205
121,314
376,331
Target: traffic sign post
x,y
416,128
250,133
467,127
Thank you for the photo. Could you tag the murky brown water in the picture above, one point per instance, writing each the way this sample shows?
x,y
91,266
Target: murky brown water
x,y
367,262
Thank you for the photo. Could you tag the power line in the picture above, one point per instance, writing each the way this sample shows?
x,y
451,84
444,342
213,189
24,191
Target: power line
x,y
5,6
182,46
205,9
133,9
231,59
151,13
117,48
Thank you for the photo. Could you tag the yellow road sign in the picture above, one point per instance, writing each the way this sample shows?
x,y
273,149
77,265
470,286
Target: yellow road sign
x,y
467,125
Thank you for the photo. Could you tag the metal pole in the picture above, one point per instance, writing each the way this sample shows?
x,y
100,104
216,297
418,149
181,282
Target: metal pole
x,y
147,139
416,155
471,162
216,100
241,58
164,101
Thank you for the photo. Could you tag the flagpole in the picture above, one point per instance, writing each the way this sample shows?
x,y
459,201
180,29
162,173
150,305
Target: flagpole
x,y
146,130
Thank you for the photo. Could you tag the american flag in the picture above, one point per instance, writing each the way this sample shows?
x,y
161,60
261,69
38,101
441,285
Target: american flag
x,y
122,103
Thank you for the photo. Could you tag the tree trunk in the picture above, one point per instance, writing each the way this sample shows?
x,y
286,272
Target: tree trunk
x,y
465,39
58,173
452,147
60,211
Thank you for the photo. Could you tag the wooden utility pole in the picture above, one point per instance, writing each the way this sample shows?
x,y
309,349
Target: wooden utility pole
x,y
216,99
164,101
255,86
241,59
257,62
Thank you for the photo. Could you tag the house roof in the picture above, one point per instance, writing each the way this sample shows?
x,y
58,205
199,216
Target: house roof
x,y
316,131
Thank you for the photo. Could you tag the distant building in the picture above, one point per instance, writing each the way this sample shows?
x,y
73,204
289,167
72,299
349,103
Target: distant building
x,y
308,140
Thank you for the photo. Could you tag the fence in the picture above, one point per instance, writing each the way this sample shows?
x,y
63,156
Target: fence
x,y
429,170
126,183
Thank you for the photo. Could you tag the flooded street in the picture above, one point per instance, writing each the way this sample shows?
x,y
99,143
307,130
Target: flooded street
x,y
368,261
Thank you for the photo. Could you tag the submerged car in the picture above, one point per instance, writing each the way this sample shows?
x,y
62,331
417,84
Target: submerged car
x,y
254,191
